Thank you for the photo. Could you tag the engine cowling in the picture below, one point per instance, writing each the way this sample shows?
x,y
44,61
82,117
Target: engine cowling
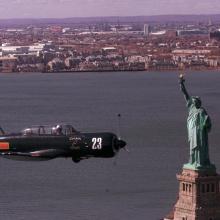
x,y
103,145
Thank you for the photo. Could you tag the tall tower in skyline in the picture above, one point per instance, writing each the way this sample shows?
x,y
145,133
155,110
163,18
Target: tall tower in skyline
x,y
210,22
146,30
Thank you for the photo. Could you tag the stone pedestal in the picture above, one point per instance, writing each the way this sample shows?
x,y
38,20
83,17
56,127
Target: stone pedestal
x,y
199,196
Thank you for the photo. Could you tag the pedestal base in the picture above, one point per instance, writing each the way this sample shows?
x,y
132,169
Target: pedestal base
x,y
199,195
196,167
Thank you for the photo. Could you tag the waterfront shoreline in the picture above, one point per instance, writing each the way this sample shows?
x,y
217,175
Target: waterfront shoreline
x,y
121,71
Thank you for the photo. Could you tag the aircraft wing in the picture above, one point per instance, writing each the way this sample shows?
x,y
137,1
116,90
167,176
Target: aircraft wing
x,y
34,155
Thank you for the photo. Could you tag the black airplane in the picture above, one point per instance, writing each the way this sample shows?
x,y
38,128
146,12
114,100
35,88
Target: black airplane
x,y
62,140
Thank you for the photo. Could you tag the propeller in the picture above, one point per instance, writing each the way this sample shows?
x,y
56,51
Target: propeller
x,y
119,138
122,144
119,126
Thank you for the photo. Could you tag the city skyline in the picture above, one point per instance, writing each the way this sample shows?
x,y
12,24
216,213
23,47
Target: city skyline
x,y
96,8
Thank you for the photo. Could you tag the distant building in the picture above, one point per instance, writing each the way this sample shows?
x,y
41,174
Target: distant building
x,y
55,29
192,32
158,33
65,30
109,50
12,50
55,65
15,30
146,30
189,51
215,35
8,64
210,22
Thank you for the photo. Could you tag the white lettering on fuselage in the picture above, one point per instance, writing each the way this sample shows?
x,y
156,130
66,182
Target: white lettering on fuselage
x,y
97,143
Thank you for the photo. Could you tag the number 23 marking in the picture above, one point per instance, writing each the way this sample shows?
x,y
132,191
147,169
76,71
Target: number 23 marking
x,y
97,143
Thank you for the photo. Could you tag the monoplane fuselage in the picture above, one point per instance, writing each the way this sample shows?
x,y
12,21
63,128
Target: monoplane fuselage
x,y
49,142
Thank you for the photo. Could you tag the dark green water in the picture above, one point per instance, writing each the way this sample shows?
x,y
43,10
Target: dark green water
x,y
143,184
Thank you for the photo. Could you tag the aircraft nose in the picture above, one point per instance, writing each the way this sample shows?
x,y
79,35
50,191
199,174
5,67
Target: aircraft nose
x,y
121,144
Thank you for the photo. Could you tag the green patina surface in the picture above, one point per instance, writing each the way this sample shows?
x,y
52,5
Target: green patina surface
x,y
197,167
198,126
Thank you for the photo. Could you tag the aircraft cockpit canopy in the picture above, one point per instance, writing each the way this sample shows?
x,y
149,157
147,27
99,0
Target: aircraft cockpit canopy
x,y
59,129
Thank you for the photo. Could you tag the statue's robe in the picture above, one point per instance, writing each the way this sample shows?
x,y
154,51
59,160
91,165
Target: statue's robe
x,y
198,124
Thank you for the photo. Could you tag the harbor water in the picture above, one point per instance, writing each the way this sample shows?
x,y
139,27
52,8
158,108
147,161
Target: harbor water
x,y
137,185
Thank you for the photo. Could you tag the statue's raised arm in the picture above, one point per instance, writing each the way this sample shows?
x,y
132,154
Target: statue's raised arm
x,y
183,88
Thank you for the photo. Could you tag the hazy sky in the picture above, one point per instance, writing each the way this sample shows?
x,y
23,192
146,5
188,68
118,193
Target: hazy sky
x,y
87,8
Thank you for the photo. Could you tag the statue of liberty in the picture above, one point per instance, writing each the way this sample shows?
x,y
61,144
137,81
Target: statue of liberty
x,y
198,126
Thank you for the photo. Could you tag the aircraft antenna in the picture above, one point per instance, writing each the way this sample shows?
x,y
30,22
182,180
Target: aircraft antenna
x,y
119,131
119,126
